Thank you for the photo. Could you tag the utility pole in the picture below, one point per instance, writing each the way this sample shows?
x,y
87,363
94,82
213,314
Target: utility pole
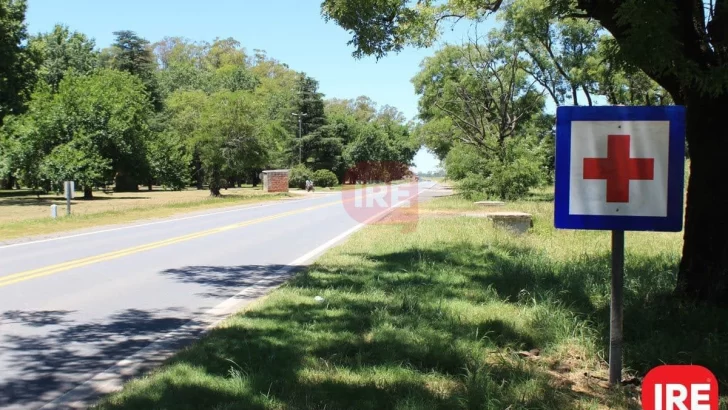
x,y
300,135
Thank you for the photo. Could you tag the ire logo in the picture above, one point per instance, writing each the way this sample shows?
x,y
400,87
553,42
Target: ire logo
x,y
680,387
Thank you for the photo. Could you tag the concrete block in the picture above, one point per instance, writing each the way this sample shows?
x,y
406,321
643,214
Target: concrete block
x,y
518,222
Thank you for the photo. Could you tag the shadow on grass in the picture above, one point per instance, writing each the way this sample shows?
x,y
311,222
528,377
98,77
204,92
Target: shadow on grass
x,y
658,328
392,333
540,196
8,193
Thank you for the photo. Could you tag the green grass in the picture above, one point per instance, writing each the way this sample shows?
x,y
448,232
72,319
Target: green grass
x,y
430,319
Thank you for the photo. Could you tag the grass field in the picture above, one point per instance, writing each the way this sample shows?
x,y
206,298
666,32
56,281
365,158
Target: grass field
x,y
22,213
436,319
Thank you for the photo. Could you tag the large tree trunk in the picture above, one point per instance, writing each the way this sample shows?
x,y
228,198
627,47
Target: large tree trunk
x,y
703,271
215,183
9,182
88,193
125,183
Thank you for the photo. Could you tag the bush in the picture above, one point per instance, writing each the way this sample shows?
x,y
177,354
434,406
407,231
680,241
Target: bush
x,y
298,175
325,178
506,176
473,187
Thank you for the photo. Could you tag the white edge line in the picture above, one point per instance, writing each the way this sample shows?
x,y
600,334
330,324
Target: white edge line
x,y
239,208
109,380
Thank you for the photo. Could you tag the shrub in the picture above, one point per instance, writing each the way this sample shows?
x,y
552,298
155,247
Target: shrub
x,y
507,175
325,178
298,175
473,187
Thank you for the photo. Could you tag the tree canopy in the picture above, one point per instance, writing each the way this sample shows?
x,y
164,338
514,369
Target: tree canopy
x,y
173,113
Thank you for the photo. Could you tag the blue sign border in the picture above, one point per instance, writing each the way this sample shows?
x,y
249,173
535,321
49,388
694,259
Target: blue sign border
x,y
673,222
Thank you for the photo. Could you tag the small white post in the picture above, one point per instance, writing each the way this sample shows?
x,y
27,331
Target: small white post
x,y
54,211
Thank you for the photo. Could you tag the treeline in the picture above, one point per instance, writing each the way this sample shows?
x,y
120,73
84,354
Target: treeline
x,y
483,103
175,113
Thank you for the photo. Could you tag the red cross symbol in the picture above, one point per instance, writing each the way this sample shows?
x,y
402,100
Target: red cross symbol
x,y
618,168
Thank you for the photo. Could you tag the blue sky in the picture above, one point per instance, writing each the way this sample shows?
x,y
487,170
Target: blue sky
x,y
291,31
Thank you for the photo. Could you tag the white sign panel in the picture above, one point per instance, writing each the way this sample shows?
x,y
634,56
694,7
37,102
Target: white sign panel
x,y
619,168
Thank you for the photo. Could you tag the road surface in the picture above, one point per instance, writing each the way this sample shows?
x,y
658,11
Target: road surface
x,y
72,308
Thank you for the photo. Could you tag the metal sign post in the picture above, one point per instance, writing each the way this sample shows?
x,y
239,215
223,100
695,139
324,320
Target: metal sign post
x,y
68,190
619,169
616,308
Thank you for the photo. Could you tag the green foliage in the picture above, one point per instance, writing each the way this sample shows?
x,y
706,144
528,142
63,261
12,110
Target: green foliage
x,y
325,178
484,117
298,175
99,121
560,51
133,54
62,50
509,175
462,160
477,94
79,161
17,71
310,106
623,83
219,115
222,129
168,160
381,27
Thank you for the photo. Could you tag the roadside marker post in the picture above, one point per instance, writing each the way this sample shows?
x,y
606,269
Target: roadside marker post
x,y
68,191
619,169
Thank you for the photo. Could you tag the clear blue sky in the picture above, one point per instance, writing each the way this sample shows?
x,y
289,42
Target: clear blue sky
x,y
291,31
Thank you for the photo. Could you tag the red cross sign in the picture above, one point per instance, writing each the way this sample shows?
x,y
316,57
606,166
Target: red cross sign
x,y
618,168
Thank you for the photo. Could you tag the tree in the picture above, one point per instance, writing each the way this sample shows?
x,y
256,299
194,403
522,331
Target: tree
x,y
62,50
559,49
93,128
133,54
17,71
682,46
230,137
311,103
483,93
16,65
621,82
360,134
182,66
481,89
224,132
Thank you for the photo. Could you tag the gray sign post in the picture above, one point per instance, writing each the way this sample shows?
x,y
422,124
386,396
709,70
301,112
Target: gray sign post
x,y
68,191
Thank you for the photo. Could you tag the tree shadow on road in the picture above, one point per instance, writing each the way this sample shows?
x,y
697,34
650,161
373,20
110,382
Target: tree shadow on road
x,y
63,356
53,351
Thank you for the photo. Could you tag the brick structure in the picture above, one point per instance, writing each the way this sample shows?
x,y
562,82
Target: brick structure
x,y
275,180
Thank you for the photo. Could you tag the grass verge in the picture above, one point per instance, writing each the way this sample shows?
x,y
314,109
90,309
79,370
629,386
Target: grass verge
x,y
126,213
453,315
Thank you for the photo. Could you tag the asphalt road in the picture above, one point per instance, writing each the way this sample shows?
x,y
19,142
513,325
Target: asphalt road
x,y
73,308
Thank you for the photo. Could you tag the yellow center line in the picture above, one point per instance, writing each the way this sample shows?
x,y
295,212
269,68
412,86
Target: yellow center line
x,y
49,270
